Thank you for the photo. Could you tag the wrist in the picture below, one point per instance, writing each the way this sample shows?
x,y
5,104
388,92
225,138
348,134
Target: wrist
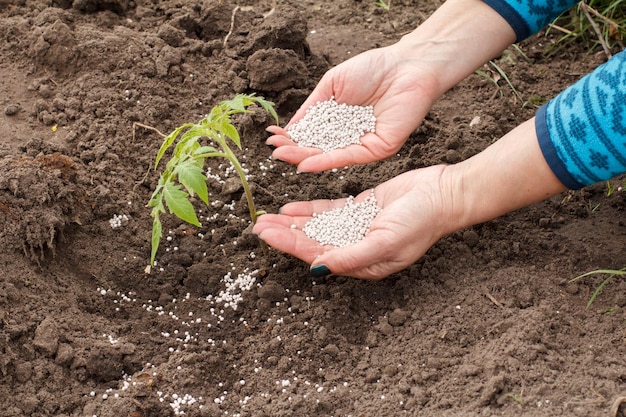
x,y
510,174
454,41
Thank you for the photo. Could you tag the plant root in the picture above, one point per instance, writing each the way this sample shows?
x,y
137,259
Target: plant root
x,y
154,129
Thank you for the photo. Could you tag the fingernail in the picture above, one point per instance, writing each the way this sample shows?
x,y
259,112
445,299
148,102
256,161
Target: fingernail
x,y
272,147
319,271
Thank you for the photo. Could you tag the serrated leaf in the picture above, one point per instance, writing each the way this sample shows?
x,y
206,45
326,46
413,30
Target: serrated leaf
x,y
156,196
178,204
269,107
230,131
237,103
216,113
191,176
203,150
167,142
157,206
187,143
157,232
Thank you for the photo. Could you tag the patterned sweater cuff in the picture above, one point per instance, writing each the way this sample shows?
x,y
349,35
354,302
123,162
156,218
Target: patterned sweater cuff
x,y
549,151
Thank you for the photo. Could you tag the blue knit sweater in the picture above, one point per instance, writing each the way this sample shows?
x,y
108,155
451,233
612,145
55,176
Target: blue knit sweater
x,y
582,131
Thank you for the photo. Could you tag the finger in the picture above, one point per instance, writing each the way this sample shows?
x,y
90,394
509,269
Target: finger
x,y
369,258
338,158
278,141
292,154
267,221
277,131
291,241
308,208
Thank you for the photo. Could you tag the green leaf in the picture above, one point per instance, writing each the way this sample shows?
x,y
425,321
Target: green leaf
x,y
230,131
191,175
157,232
611,272
167,142
156,196
268,106
216,113
237,103
203,150
179,205
600,271
188,141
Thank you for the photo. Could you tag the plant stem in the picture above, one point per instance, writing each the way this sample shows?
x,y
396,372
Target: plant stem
x,y
244,181
596,29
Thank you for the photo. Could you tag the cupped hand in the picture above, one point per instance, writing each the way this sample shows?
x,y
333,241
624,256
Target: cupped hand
x,y
384,78
414,216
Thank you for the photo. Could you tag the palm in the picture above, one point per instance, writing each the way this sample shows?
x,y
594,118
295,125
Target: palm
x,y
375,78
409,224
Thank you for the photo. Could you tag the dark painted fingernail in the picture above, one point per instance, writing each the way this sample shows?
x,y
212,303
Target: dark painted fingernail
x,y
319,271
272,147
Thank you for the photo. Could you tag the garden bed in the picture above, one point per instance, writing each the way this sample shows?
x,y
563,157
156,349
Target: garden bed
x,y
488,322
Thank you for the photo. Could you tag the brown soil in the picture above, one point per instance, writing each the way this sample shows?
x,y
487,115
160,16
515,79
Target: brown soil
x,y
487,323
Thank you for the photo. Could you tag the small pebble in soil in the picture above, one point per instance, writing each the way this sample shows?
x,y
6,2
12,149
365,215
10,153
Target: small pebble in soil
x,y
343,226
329,125
12,109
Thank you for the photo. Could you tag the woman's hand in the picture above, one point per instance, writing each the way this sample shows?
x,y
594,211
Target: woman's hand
x,y
401,97
413,218
421,206
401,82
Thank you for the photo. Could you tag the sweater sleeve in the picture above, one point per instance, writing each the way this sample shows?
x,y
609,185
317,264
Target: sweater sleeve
x,y
528,17
582,131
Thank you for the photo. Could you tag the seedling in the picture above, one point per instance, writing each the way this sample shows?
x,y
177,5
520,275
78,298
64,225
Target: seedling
x,y
184,175
610,188
611,274
496,77
385,5
518,398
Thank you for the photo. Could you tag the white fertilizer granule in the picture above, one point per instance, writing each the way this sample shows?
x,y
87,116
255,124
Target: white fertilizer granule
x,y
345,225
329,125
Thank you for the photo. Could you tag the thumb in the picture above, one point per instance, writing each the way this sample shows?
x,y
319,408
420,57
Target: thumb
x,y
364,259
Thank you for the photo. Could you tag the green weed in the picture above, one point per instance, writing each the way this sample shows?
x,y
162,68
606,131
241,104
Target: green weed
x,y
496,77
592,208
382,4
611,274
595,23
184,175
535,102
518,398
612,188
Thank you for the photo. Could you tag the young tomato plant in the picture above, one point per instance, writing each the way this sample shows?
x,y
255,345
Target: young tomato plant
x,y
184,175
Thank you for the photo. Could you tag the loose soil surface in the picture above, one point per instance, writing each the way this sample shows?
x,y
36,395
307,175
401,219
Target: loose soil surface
x,y
487,323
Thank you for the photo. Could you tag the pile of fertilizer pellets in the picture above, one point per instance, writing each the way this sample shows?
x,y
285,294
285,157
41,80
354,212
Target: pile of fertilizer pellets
x,y
345,225
329,125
